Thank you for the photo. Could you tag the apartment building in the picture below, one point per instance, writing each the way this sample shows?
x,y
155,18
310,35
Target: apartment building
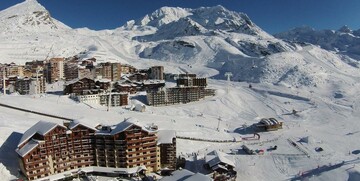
x,y
48,148
30,85
157,72
111,71
167,144
71,69
127,69
55,70
117,99
127,145
80,86
175,95
190,80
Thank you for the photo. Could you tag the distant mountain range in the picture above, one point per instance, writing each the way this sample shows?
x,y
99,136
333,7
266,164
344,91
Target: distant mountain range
x,y
343,41
208,41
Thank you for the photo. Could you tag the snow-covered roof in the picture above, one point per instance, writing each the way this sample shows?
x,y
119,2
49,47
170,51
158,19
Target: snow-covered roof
x,y
198,177
103,80
215,157
186,175
41,127
75,80
178,175
166,136
122,126
27,148
153,81
71,81
92,169
270,121
75,123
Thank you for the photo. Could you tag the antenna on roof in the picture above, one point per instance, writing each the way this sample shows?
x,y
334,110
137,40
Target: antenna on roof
x,y
228,75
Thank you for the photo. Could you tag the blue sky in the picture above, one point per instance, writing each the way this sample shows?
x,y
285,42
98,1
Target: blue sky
x,y
271,15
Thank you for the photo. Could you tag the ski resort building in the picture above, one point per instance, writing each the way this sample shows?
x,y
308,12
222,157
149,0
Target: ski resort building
x,y
177,95
270,124
49,150
109,70
117,99
189,89
127,145
55,70
25,85
190,80
71,69
223,167
79,86
167,144
157,72
186,175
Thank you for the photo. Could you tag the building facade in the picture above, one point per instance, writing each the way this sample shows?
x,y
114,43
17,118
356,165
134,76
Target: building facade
x,y
177,95
80,86
48,148
111,71
157,72
127,145
117,99
167,145
55,70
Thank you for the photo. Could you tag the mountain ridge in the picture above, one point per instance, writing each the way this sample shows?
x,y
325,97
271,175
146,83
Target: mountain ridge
x,y
343,41
208,41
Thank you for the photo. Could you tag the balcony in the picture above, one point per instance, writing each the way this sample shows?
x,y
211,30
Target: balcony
x,y
37,161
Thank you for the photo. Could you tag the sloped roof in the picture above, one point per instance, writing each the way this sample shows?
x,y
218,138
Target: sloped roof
x,y
41,127
198,177
121,127
166,136
186,175
270,121
178,175
75,123
76,80
215,157
27,148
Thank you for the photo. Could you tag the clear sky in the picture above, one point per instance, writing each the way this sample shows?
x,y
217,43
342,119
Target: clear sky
x,y
271,15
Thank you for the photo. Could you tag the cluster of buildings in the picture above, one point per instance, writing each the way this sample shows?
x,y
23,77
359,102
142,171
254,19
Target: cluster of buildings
x,y
53,151
23,78
102,83
188,88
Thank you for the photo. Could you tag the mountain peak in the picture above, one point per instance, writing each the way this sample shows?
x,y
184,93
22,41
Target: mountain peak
x,y
29,16
163,16
344,29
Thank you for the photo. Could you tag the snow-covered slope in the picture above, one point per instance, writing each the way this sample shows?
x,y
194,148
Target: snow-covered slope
x,y
321,85
28,16
344,41
327,118
182,40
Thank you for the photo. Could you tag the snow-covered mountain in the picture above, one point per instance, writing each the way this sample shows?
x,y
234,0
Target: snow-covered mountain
x,y
344,40
28,16
208,41
320,85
